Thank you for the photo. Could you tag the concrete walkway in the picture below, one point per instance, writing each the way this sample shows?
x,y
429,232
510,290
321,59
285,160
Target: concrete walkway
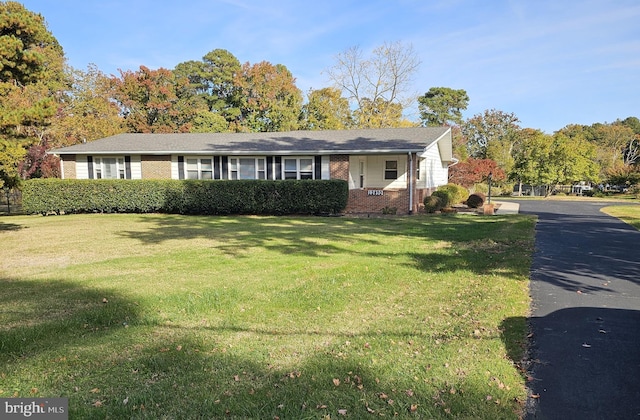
x,y
585,321
507,207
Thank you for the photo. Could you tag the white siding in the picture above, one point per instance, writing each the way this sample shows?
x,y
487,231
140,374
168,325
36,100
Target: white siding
x,y
326,169
82,167
136,167
433,172
374,171
174,167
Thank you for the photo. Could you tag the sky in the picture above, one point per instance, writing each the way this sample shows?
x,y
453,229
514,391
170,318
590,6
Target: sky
x,y
550,62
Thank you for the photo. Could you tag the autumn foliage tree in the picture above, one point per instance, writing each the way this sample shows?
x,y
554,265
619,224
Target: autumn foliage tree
x,y
151,101
326,109
271,101
475,171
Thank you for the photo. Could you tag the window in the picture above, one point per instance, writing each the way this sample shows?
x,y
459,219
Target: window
x,y
109,168
247,168
298,168
199,168
390,169
361,174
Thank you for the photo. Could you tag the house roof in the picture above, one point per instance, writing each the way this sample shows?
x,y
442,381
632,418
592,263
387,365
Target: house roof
x,y
364,141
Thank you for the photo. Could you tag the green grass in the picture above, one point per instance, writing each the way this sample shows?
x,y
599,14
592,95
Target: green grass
x,y
629,214
160,316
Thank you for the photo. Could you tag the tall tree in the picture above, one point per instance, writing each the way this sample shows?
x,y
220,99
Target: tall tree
x,y
326,109
542,159
213,80
492,135
380,114
616,144
88,112
442,106
151,102
31,81
272,101
383,78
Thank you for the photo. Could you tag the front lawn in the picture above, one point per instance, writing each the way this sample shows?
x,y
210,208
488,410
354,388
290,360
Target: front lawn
x,y
177,317
628,214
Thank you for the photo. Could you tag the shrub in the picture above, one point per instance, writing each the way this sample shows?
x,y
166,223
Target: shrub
x,y
457,193
444,196
185,196
432,203
476,200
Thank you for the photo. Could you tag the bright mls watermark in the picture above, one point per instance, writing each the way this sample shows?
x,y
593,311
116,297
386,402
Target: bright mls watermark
x,y
34,408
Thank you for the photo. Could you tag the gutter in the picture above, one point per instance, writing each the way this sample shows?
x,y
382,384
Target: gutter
x,y
238,152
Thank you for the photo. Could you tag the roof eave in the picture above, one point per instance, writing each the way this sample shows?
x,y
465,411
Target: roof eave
x,y
241,152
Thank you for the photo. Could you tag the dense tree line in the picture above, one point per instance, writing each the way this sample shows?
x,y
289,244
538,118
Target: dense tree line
x,y
44,104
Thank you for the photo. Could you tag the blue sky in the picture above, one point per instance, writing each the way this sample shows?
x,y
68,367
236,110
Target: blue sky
x,y
551,62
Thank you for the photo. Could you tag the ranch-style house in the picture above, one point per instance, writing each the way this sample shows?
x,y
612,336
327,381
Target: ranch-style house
x,y
386,168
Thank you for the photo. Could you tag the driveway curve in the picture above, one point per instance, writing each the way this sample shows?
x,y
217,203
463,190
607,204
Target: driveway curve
x,y
585,320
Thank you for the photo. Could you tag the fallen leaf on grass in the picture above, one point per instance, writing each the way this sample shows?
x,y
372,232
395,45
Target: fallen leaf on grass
x,y
95,390
342,412
413,408
336,381
97,404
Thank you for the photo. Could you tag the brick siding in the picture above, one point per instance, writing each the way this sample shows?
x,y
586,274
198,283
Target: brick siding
x,y
156,167
69,166
339,167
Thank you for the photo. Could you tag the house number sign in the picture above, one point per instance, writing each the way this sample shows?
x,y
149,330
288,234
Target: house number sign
x,y
375,192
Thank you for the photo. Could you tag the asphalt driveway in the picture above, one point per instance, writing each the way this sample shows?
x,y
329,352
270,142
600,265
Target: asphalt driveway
x,y
585,321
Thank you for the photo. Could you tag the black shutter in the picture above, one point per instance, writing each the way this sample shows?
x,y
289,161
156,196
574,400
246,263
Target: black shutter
x,y
90,166
225,167
278,160
127,167
180,167
269,167
318,167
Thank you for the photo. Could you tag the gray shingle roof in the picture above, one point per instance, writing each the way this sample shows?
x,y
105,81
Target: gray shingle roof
x,y
387,140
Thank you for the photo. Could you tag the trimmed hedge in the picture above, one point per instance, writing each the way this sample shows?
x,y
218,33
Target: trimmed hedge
x,y
185,196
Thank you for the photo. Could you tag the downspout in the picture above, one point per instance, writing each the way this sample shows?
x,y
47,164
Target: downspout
x,y
410,183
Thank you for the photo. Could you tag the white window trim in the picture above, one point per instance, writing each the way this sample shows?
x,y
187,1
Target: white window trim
x,y
99,168
257,170
199,166
298,167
